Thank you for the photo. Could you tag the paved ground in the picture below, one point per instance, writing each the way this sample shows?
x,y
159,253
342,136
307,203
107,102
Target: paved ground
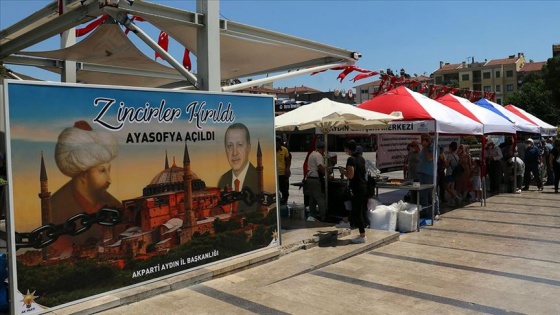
x,y
501,258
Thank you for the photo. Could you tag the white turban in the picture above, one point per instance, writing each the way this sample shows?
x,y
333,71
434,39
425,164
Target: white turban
x,y
80,148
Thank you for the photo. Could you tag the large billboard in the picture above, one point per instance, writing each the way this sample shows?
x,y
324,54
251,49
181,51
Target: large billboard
x,y
110,187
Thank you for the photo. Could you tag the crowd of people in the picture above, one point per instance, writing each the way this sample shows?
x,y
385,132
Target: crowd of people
x,y
458,176
508,169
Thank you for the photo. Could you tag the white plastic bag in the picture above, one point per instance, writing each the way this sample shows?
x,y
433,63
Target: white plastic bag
x,y
383,218
372,204
408,218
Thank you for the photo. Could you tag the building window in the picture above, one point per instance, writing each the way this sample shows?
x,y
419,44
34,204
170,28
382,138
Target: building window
x,y
499,101
498,74
509,87
498,88
439,80
487,88
486,75
465,77
509,73
364,91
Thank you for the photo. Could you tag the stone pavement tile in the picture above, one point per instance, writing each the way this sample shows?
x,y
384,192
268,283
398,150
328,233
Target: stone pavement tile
x,y
186,279
90,306
142,292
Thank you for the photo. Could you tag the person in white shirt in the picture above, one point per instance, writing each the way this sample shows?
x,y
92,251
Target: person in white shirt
x,y
313,186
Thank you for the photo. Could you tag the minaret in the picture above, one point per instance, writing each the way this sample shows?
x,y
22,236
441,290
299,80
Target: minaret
x,y
260,172
166,166
45,196
260,169
190,219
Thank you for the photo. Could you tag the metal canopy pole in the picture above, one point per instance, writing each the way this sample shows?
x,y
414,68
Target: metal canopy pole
x,y
208,45
67,39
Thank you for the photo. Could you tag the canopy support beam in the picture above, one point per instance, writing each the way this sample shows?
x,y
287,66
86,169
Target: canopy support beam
x,y
257,82
123,19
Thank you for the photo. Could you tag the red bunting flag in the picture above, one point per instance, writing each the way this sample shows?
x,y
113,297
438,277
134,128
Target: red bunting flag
x,y
432,90
380,88
467,94
91,26
453,90
414,83
424,87
163,42
475,96
365,75
187,59
442,92
493,96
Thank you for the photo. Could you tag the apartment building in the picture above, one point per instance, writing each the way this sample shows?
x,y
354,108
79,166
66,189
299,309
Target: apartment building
x,y
365,91
498,75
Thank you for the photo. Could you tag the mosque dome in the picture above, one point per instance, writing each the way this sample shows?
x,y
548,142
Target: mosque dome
x,y
171,179
170,175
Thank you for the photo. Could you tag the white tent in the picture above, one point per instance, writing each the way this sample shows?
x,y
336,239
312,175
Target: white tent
x,y
520,124
415,106
546,129
326,114
491,122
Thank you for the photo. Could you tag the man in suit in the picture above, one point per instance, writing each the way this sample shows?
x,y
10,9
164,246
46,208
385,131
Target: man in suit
x,y
243,174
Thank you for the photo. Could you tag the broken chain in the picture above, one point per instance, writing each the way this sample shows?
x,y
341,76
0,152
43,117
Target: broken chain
x,y
77,224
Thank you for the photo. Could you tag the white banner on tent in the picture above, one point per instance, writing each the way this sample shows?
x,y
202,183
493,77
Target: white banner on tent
x,y
417,126
391,149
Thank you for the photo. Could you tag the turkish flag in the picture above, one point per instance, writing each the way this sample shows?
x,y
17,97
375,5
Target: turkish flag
x,y
187,60
442,92
414,83
163,42
365,75
432,90
91,26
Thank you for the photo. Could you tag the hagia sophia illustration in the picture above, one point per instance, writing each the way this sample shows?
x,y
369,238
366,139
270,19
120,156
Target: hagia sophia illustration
x,y
174,206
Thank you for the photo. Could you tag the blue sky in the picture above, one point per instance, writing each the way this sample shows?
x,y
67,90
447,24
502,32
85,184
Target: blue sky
x,y
414,35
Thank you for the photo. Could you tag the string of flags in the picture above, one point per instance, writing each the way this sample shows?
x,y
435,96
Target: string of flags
x,y
391,81
163,39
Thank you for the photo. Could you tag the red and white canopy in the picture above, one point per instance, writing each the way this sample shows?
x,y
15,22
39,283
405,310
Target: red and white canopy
x,y
546,129
491,122
415,106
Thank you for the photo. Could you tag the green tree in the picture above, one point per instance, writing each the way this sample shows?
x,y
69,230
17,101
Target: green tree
x,y
536,98
551,76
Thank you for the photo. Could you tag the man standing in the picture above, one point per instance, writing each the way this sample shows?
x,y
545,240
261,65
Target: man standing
x,y
283,163
315,174
493,155
84,155
426,174
533,160
546,155
242,175
517,169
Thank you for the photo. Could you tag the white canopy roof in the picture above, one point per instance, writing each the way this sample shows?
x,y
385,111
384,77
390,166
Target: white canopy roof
x,y
491,122
326,113
244,50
